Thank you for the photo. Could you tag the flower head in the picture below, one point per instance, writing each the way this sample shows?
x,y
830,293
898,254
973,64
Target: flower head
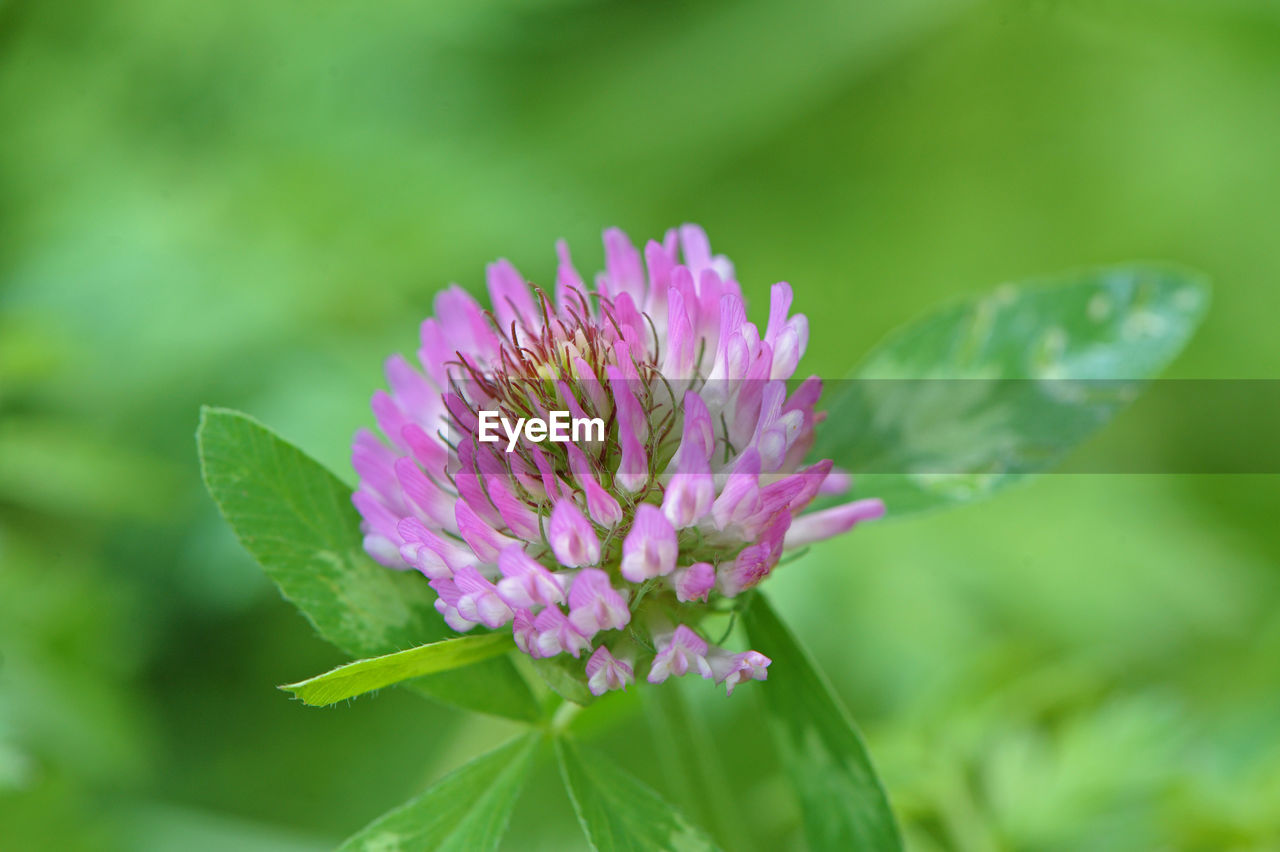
x,y
682,492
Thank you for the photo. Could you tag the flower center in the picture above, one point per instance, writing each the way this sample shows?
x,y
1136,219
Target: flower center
x,y
589,363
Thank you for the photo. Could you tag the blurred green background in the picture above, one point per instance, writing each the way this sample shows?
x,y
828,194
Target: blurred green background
x,y
252,203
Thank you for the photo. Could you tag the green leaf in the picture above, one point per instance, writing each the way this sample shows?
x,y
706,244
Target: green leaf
x,y
617,812
297,520
689,754
367,675
984,392
466,810
843,802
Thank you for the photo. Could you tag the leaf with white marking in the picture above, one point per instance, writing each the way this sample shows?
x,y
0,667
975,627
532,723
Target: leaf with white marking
x,y
987,391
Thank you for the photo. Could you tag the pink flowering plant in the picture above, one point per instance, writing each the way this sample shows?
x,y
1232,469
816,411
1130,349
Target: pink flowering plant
x,y
613,549
579,489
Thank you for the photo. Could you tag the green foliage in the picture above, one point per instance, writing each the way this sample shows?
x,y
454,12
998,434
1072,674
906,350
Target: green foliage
x,y
367,675
53,466
297,520
692,758
272,201
977,395
466,811
617,812
844,803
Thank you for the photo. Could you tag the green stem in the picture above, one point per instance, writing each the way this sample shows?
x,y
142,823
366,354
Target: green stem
x,y
563,716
